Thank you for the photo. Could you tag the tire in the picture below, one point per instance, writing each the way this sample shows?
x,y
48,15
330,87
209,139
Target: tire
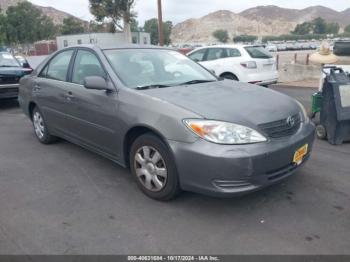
x,y
321,132
154,168
229,76
40,128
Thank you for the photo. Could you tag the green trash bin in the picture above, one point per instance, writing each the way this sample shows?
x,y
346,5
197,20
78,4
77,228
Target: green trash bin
x,y
316,103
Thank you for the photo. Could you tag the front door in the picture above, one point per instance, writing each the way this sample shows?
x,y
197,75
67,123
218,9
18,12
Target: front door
x,y
92,113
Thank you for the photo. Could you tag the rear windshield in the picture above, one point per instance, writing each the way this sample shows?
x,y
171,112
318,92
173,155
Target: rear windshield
x,y
258,52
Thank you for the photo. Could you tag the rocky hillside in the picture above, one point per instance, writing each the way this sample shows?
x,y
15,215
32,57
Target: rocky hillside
x,y
261,20
56,15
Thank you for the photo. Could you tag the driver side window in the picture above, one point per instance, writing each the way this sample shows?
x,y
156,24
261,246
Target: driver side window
x,y
86,64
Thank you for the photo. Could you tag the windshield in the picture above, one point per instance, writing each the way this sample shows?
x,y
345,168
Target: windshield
x,y
7,60
258,52
151,67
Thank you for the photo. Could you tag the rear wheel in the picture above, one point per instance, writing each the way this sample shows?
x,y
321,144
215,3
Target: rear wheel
x,y
229,76
40,128
153,167
321,132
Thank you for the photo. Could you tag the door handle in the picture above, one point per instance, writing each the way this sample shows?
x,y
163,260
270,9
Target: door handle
x,y
69,96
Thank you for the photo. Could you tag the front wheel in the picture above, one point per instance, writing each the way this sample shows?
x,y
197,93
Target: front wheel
x,y
153,167
321,132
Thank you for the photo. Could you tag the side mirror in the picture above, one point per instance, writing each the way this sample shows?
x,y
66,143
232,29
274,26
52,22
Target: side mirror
x,y
96,83
26,65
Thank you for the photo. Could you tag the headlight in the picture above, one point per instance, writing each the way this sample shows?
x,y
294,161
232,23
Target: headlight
x,y
224,133
303,111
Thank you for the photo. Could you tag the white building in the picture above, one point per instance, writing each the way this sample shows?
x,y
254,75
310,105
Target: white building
x,y
103,39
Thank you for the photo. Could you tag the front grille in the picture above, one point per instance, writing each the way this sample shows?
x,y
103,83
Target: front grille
x,y
282,128
8,90
9,80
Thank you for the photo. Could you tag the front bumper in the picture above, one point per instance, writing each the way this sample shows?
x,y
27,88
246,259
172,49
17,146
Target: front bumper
x,y
227,170
9,91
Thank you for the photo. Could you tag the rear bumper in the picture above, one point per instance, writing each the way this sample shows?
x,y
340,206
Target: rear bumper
x,y
9,91
263,78
230,170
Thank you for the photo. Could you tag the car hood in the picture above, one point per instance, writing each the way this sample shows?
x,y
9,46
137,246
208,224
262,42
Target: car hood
x,y
14,71
230,101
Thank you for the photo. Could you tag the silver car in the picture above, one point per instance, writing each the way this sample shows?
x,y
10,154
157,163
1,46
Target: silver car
x,y
172,122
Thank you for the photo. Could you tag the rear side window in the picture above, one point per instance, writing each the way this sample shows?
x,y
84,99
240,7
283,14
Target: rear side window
x,y
216,53
86,64
198,56
233,52
57,68
258,52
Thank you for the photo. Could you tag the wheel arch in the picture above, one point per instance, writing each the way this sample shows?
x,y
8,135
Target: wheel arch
x,y
229,73
133,133
31,107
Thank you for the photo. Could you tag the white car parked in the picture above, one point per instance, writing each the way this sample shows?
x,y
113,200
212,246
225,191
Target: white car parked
x,y
245,63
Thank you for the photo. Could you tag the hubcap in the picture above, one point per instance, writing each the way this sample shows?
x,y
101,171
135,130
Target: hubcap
x,y
38,125
150,168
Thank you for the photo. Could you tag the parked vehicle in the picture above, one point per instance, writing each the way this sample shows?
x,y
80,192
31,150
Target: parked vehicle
x,y
244,63
11,72
23,62
342,48
271,48
282,47
167,118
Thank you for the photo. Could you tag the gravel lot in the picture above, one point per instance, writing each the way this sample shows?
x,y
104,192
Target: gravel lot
x,y
61,199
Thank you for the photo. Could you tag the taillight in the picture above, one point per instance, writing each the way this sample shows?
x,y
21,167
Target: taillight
x,y
249,65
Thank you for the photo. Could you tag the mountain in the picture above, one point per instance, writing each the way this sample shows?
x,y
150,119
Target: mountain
x,y
56,15
260,20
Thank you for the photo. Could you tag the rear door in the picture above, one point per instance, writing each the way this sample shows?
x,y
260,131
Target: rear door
x,y
49,90
92,114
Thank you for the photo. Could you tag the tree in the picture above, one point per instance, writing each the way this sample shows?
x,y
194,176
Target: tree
x,y
2,27
71,26
25,24
151,26
347,29
221,35
320,26
116,10
303,29
134,25
317,26
332,28
245,38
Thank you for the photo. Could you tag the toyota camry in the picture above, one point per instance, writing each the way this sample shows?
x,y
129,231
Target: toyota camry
x,y
171,121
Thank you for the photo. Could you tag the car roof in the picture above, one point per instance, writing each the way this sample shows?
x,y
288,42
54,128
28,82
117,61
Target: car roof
x,y
228,46
122,46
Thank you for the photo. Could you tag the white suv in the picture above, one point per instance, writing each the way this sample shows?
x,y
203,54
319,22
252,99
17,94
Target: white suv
x,y
245,63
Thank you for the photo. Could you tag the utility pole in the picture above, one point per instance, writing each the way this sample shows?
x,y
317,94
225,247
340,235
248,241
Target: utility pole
x,y
160,23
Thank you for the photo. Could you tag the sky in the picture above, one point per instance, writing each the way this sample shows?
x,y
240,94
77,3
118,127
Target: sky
x,y
180,10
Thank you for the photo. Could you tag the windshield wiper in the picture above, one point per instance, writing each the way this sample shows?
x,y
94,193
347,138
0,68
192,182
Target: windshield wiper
x,y
151,87
192,82
8,66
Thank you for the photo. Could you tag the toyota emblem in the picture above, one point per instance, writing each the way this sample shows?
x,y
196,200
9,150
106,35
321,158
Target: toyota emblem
x,y
290,121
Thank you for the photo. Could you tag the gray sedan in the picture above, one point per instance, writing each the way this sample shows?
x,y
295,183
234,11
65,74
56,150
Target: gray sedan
x,y
173,123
